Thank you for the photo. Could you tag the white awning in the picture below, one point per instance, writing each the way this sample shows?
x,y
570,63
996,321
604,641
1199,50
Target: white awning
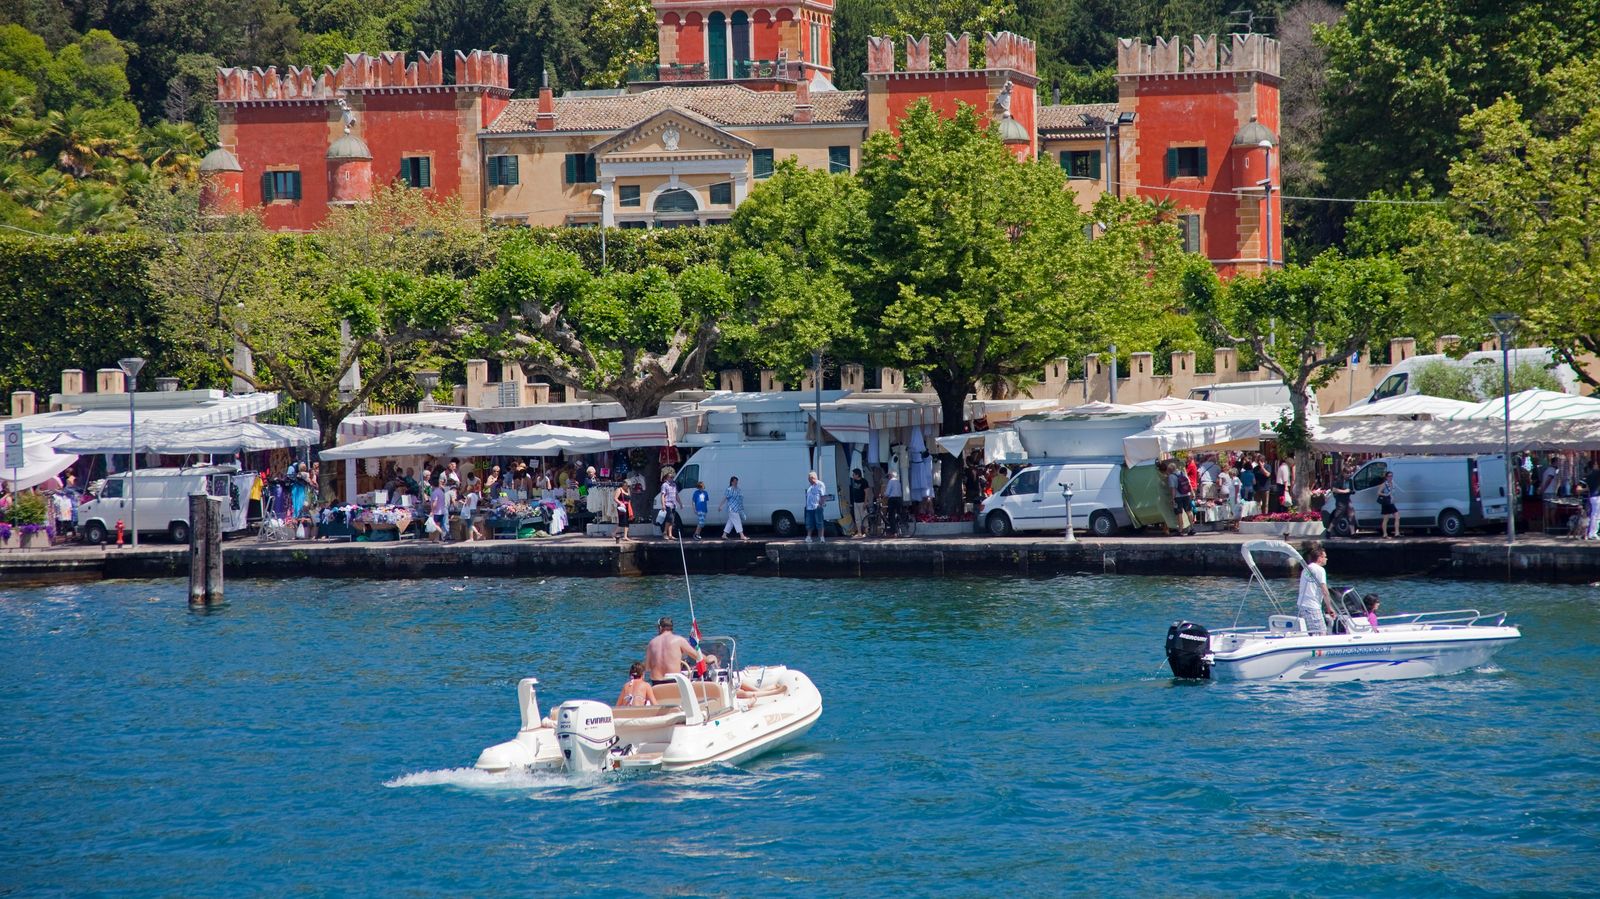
x,y
659,430
230,437
362,426
1216,435
1532,405
84,423
1417,437
581,410
1173,409
409,443
996,411
40,461
1415,406
1001,445
545,440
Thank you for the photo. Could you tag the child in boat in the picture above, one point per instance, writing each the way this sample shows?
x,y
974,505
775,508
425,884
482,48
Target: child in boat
x,y
1371,602
637,691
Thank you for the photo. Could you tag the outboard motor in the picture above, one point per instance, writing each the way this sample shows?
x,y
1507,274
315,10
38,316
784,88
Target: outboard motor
x,y
1189,650
585,733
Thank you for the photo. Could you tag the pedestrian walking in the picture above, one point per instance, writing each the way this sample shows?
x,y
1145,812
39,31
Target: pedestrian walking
x,y
733,501
1591,483
669,504
893,497
858,501
624,512
701,500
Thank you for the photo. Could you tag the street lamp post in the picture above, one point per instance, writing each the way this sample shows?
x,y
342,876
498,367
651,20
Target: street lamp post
x,y
1266,183
816,440
1066,494
131,367
1505,325
605,201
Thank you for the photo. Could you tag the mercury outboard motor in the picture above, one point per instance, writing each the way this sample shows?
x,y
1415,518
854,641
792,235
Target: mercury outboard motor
x,y
585,733
1189,650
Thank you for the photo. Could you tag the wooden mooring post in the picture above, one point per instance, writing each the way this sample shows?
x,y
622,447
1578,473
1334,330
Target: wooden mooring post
x,y
205,550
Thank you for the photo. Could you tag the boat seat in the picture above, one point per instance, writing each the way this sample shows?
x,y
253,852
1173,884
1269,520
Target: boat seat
x,y
1286,624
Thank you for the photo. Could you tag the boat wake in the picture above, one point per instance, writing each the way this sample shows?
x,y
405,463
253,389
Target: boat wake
x,y
474,779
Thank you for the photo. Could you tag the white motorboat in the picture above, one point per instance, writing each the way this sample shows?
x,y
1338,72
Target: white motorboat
x,y
727,717
1403,646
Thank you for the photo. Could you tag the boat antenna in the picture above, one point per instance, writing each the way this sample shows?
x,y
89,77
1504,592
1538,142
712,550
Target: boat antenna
x,y
694,622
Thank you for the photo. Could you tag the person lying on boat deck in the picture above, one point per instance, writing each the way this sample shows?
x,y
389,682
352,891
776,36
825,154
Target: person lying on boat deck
x,y
664,656
1371,602
636,691
1314,596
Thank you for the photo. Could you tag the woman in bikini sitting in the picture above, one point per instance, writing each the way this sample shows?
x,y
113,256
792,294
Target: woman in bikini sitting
x,y
637,691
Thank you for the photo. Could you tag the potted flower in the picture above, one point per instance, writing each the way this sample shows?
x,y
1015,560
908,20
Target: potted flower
x,y
1292,524
26,519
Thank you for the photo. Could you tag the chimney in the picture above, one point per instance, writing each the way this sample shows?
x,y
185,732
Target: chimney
x,y
546,120
802,102
22,403
110,380
71,381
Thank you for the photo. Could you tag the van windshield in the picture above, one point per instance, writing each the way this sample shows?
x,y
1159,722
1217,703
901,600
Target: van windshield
x,y
113,489
1394,385
1025,484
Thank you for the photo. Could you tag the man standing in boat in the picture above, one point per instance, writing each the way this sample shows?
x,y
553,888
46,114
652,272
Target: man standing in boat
x,y
1314,595
664,656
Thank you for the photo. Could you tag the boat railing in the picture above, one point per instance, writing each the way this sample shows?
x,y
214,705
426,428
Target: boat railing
x,y
1449,618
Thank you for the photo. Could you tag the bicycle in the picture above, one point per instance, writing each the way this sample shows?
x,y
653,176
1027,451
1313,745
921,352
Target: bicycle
x,y
878,522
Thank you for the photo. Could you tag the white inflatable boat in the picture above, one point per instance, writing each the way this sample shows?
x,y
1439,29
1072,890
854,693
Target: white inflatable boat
x,y
727,717
1403,646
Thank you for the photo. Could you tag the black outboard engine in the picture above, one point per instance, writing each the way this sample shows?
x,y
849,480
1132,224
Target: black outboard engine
x,y
1189,650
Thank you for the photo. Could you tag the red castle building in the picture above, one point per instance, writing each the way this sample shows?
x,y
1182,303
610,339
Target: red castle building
x,y
737,86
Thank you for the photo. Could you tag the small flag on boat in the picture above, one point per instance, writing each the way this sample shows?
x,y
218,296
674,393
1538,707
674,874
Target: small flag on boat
x,y
694,640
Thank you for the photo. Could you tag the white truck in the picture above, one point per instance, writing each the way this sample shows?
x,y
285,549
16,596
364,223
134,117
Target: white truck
x,y
162,498
772,477
1033,499
1447,493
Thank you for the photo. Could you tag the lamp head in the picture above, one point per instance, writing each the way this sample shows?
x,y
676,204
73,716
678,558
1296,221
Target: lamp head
x,y
130,366
1126,117
1265,144
600,192
1505,323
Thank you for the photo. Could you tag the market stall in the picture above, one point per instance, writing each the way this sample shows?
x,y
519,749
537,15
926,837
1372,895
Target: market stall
x,y
42,461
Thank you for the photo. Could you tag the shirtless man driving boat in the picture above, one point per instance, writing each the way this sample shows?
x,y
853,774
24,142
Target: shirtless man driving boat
x,y
664,656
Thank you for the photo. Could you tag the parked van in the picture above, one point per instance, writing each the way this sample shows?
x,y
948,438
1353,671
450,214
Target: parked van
x,y
772,477
1450,493
1244,393
1032,500
162,496
1401,379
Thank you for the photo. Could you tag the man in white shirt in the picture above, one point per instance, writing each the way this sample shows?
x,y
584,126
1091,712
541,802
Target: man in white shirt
x,y
1280,484
1314,596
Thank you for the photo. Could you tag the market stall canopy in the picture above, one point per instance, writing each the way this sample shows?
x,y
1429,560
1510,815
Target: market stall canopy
x,y
997,411
362,426
1215,435
1172,409
40,461
658,430
853,421
219,439
579,410
409,443
1098,408
153,410
1000,445
1417,406
1532,405
1399,437
545,440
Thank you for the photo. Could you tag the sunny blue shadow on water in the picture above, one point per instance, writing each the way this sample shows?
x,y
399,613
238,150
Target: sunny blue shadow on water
x,y
316,736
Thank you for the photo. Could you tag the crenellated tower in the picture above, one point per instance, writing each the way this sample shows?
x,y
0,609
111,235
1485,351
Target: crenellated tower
x,y
761,45
1003,89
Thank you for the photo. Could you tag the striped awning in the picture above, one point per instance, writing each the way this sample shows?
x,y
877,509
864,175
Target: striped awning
x,y
90,422
360,427
658,430
1531,405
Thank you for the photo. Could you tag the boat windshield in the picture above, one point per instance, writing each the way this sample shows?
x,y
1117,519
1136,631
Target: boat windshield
x,y
723,648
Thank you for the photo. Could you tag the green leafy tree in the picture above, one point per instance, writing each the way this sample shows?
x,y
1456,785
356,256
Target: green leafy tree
x,y
1480,381
1301,323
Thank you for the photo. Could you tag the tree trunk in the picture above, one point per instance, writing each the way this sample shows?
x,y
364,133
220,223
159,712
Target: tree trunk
x,y
1301,485
327,487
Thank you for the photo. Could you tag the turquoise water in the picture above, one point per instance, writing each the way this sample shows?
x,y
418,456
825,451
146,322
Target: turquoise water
x,y
313,736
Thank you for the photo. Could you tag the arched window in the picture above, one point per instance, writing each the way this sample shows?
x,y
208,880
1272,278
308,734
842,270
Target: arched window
x,y
741,45
717,45
676,200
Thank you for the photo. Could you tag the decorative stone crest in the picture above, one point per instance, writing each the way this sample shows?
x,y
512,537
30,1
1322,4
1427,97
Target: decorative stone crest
x,y
670,137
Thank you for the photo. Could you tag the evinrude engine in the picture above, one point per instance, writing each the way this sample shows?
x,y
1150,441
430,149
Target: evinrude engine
x,y
585,733
1189,650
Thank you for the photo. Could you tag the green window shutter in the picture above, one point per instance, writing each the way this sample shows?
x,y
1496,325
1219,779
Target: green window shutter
x,y
294,178
593,168
425,172
838,159
1204,170
495,167
266,187
513,174
722,194
1172,163
572,168
1094,165
763,163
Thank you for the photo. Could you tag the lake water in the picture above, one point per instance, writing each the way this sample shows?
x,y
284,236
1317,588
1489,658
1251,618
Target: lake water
x,y
316,736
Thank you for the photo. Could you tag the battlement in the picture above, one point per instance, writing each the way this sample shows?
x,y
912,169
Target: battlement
x,y
360,71
1000,51
1204,54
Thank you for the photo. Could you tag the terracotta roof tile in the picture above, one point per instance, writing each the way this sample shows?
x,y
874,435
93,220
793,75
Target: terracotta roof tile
x,y
726,104
1078,120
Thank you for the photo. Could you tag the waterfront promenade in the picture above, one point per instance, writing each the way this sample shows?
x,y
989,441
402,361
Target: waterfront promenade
x,y
1478,558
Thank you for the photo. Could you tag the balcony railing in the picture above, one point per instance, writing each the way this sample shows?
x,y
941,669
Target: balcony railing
x,y
743,69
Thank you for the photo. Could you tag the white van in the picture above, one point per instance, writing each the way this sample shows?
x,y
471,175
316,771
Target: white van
x,y
1450,493
162,496
1401,379
1244,393
1032,500
772,477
